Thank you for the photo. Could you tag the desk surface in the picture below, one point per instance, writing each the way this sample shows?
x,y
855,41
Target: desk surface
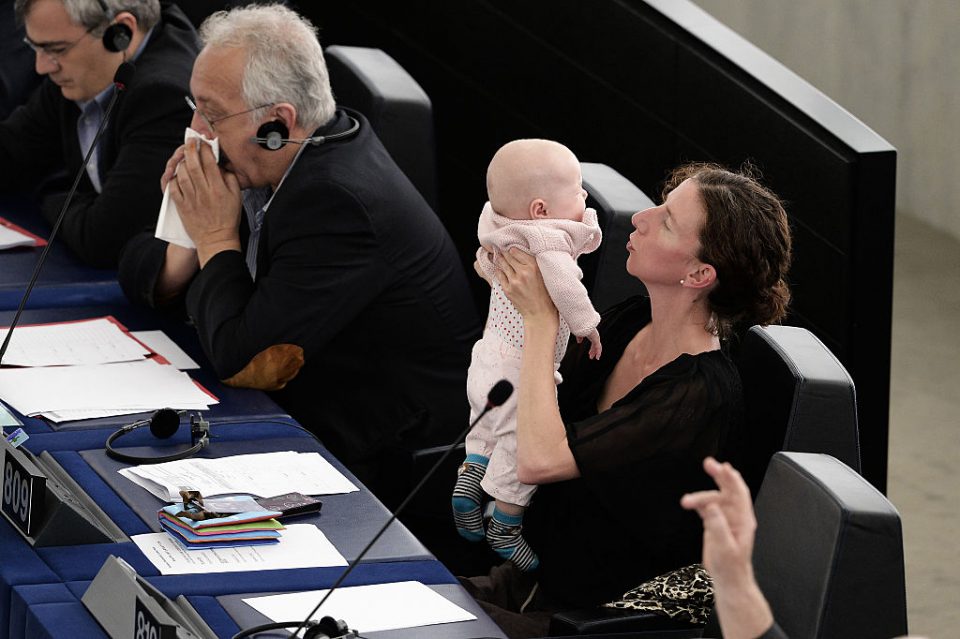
x,y
40,589
63,281
235,403
49,611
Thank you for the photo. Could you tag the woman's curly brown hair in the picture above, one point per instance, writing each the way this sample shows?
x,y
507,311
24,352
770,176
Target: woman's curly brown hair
x,y
746,238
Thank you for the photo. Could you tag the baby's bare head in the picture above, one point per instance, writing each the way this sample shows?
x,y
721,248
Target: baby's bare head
x,y
530,179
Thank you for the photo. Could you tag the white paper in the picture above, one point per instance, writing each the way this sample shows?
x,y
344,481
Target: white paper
x,y
169,225
300,546
10,238
407,604
57,416
93,341
260,474
161,344
139,386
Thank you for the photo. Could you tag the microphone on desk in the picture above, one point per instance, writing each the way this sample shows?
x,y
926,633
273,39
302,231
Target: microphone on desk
x,y
330,628
120,81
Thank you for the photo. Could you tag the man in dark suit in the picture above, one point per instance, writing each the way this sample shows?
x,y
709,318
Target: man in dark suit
x,y
118,194
320,273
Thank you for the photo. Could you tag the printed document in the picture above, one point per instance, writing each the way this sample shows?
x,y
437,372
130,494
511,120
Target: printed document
x,y
260,474
93,341
300,546
407,604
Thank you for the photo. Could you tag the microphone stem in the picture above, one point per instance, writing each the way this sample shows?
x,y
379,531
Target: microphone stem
x,y
413,493
56,225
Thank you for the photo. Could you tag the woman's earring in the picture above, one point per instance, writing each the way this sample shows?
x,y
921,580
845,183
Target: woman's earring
x,y
681,282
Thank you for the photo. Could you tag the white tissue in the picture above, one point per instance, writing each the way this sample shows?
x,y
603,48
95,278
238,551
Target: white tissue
x,y
169,226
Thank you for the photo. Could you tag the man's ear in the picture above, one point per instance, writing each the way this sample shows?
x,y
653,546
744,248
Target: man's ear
x,y
702,276
287,113
128,19
537,209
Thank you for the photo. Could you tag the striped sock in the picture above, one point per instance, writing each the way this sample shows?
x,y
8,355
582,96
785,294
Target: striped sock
x,y
467,497
503,535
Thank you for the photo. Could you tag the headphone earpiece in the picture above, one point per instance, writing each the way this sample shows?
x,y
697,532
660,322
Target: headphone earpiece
x,y
272,135
163,424
117,37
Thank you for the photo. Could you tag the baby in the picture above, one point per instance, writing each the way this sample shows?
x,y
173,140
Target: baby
x,y
537,203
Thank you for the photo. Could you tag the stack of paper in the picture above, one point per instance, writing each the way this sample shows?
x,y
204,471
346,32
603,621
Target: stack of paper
x,y
260,474
91,368
249,528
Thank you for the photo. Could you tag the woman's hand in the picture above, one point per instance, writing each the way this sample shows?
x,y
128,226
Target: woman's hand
x,y
522,282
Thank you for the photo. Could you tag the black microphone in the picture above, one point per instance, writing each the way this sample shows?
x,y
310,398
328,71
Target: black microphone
x,y
120,80
335,629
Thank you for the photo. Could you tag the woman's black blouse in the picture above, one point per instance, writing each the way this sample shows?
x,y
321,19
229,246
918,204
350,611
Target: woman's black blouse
x,y
621,523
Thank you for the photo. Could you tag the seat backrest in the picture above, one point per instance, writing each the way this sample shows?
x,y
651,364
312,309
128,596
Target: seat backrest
x,y
829,551
616,199
797,397
371,82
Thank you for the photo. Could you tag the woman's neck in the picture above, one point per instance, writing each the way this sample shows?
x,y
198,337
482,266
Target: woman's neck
x,y
678,324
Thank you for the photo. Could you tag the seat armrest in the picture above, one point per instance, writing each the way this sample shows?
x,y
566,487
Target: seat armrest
x,y
601,620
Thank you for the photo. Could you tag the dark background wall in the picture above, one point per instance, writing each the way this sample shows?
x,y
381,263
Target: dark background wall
x,y
642,86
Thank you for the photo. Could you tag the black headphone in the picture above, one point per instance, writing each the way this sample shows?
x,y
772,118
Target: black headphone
x,y
272,135
117,37
163,424
325,628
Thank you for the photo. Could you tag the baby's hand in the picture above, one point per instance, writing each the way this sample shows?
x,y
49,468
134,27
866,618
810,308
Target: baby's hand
x,y
595,347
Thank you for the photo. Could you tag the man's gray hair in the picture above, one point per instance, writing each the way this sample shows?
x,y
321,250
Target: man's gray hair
x,y
89,13
284,59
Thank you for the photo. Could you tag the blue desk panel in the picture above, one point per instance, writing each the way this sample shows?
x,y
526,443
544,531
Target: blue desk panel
x,y
349,521
19,565
55,611
32,603
236,404
64,280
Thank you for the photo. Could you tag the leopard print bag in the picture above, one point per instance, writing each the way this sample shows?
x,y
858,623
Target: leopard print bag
x,y
685,594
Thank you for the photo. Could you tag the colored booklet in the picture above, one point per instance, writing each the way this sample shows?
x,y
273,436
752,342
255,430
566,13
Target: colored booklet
x,y
218,541
237,518
194,538
266,524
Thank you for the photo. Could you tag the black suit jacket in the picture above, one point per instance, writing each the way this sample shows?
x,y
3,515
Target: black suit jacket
x,y
354,267
146,126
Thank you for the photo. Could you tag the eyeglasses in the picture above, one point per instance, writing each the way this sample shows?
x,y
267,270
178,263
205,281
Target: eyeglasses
x,y
55,50
209,122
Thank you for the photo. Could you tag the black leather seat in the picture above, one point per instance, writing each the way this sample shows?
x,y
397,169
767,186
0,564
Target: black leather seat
x,y
371,82
829,551
616,199
797,396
